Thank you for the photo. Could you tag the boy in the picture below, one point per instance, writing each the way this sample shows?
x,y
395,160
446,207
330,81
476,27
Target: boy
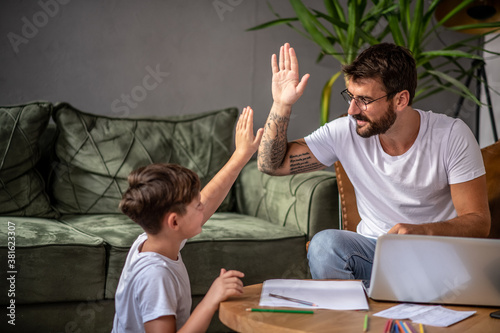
x,y
154,293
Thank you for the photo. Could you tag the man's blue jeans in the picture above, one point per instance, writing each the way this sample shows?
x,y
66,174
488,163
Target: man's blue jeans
x,y
341,254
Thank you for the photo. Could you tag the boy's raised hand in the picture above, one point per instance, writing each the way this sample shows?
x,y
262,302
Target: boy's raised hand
x,y
246,142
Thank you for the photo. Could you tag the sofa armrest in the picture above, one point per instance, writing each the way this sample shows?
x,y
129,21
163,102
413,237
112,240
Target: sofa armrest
x,y
307,202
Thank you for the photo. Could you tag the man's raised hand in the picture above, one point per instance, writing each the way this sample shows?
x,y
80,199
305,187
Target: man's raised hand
x,y
286,86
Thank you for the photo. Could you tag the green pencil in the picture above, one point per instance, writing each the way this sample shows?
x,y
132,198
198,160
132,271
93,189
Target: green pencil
x,y
280,311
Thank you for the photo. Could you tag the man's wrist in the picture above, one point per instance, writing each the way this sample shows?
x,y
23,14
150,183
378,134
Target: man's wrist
x,y
282,107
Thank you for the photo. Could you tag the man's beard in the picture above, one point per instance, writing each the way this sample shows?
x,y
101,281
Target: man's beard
x,y
376,127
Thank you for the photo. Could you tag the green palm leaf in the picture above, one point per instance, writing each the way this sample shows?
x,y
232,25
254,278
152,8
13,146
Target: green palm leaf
x,y
463,90
273,23
309,22
325,98
407,22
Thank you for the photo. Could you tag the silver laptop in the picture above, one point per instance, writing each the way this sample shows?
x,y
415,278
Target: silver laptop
x,y
435,269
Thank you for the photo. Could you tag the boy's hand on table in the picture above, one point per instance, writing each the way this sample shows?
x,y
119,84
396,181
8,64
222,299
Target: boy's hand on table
x,y
226,285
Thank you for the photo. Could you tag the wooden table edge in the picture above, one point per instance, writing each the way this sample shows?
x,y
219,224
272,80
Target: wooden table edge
x,y
232,314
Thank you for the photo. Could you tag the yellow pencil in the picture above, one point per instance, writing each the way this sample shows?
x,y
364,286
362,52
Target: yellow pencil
x,y
421,328
407,327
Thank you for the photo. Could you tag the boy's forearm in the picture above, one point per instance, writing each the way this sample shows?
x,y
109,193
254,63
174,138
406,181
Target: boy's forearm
x,y
199,319
217,189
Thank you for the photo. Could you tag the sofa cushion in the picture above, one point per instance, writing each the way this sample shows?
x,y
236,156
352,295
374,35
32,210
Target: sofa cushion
x,y
306,202
53,262
119,233
21,186
261,249
97,153
63,317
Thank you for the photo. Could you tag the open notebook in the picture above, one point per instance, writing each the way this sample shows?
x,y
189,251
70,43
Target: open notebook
x,y
333,295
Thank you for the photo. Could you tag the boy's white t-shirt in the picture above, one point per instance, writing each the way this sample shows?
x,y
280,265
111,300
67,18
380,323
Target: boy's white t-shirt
x,y
151,286
410,188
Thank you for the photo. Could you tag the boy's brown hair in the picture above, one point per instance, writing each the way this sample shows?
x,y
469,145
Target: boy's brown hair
x,y
157,189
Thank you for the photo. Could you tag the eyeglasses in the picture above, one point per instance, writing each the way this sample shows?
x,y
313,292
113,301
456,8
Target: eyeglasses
x,y
360,102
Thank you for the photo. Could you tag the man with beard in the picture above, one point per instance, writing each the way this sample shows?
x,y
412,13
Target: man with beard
x,y
413,172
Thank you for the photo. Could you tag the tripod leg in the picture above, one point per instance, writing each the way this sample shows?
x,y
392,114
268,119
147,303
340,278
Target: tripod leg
x,y
461,99
478,107
490,105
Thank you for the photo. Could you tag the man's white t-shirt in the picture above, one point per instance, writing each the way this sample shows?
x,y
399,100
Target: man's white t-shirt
x,y
151,286
410,188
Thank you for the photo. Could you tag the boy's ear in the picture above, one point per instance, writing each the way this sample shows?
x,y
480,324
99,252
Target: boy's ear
x,y
170,220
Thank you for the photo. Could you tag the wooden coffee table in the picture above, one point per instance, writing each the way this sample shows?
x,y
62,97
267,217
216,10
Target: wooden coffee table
x,y
234,315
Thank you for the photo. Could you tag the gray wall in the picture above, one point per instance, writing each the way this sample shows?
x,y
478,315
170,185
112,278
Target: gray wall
x,y
493,75
93,54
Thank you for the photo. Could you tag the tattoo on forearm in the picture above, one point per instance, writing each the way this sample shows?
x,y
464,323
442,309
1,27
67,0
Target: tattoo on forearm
x,y
302,163
273,146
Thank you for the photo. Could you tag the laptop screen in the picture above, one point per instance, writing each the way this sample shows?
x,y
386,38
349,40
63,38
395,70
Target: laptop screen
x,y
435,269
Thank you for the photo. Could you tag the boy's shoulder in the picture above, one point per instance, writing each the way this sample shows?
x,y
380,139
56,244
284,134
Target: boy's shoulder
x,y
155,285
151,272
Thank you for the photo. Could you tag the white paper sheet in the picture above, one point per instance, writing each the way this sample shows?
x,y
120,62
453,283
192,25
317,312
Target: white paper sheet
x,y
333,295
432,315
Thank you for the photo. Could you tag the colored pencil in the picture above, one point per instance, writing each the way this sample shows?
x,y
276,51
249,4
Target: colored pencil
x,y
388,325
407,327
280,311
400,327
290,299
392,329
365,325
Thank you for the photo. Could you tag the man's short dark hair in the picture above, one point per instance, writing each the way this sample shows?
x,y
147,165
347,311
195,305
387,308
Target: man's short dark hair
x,y
157,189
393,65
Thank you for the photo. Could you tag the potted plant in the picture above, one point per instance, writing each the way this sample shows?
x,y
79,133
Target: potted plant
x,y
411,27
341,32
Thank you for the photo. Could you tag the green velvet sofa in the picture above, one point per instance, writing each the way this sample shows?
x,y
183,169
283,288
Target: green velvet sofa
x,y
63,241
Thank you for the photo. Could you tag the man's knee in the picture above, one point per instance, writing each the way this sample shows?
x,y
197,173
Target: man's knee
x,y
332,243
323,242
327,237
326,257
